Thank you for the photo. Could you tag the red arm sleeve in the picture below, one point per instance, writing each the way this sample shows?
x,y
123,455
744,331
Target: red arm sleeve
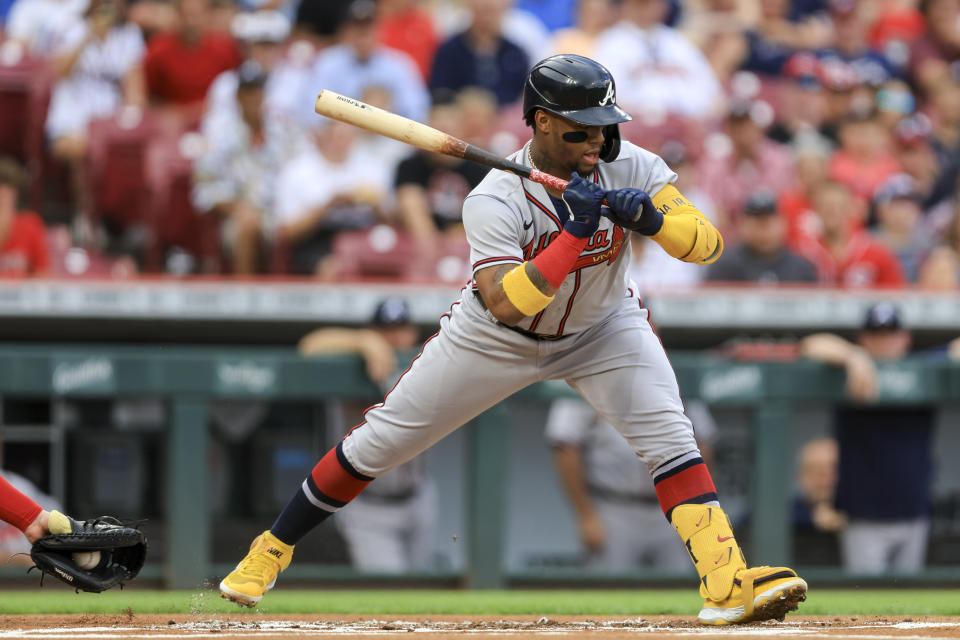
x,y
16,508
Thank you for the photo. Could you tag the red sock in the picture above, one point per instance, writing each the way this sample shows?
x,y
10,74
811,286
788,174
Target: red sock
x,y
16,508
684,480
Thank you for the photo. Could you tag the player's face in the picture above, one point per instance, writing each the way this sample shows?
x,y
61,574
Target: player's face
x,y
582,156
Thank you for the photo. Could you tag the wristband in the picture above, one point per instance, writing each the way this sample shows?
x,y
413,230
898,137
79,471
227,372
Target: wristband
x,y
522,293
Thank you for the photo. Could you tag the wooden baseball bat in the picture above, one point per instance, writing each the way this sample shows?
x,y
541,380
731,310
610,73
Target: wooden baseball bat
x,y
333,105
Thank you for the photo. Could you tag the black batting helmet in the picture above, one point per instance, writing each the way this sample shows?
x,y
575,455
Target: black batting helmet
x,y
578,89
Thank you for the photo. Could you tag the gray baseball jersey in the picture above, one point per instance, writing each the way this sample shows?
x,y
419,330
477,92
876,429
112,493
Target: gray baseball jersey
x,y
602,342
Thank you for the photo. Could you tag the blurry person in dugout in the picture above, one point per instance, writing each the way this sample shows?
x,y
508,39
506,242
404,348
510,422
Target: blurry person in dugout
x,y
610,491
886,452
392,529
816,521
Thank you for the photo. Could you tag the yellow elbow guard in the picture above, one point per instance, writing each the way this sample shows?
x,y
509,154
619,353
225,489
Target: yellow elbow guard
x,y
522,293
686,233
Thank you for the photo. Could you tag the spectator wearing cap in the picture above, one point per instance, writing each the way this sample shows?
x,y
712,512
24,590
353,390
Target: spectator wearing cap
x,y
656,68
482,56
802,102
900,222
235,175
358,62
917,158
406,26
844,254
885,466
181,64
743,159
392,529
262,35
761,256
23,240
864,159
850,42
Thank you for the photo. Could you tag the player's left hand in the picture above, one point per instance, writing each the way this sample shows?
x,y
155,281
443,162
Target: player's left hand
x,y
633,209
583,198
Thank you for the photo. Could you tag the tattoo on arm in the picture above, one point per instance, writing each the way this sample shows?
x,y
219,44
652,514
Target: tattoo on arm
x,y
538,280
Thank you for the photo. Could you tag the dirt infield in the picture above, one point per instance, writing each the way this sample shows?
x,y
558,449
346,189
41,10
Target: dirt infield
x,y
268,627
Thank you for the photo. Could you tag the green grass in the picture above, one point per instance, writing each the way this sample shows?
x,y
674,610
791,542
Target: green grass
x,y
421,602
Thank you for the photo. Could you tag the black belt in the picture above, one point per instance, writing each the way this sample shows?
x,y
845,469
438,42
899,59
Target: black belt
x,y
523,332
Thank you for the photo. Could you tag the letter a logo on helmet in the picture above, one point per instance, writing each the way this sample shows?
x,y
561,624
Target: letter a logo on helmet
x,y
578,89
609,98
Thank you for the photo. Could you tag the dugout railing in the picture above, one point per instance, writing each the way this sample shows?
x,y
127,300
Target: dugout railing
x,y
190,377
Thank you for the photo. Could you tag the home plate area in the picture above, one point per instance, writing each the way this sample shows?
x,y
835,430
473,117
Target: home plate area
x,y
265,627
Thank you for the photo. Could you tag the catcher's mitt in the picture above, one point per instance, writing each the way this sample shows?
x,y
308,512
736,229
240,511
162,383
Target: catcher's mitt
x,y
122,552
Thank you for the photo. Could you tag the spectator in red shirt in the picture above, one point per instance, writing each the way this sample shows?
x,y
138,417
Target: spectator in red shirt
x,y
181,64
844,256
404,26
23,242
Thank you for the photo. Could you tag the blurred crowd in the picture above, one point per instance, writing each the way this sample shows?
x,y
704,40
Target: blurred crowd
x,y
178,136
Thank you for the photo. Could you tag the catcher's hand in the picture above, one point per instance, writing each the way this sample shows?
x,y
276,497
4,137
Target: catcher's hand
x,y
69,545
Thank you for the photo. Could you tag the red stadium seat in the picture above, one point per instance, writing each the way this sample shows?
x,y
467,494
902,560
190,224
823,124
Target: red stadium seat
x,y
116,161
381,251
173,220
25,86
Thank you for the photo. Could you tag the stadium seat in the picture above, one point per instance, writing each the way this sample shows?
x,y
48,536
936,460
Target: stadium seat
x,y
173,220
381,251
116,161
25,86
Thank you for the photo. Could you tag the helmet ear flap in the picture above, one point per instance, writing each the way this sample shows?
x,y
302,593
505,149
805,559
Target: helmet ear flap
x,y
611,143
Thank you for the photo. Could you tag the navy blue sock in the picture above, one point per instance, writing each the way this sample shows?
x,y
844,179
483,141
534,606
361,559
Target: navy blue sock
x,y
298,518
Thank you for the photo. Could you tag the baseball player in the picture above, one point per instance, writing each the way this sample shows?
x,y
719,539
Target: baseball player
x,y
550,298
610,492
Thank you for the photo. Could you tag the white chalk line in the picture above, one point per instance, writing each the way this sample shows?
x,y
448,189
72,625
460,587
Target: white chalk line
x,y
383,627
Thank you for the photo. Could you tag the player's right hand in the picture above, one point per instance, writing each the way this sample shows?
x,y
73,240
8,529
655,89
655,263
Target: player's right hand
x,y
583,198
633,209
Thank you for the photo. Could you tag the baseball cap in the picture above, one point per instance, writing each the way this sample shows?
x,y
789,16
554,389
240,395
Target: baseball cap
x,y
260,26
804,68
914,131
882,316
899,185
390,312
760,202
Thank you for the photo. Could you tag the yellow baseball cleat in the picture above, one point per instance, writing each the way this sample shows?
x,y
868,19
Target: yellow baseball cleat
x,y
732,593
257,572
759,593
